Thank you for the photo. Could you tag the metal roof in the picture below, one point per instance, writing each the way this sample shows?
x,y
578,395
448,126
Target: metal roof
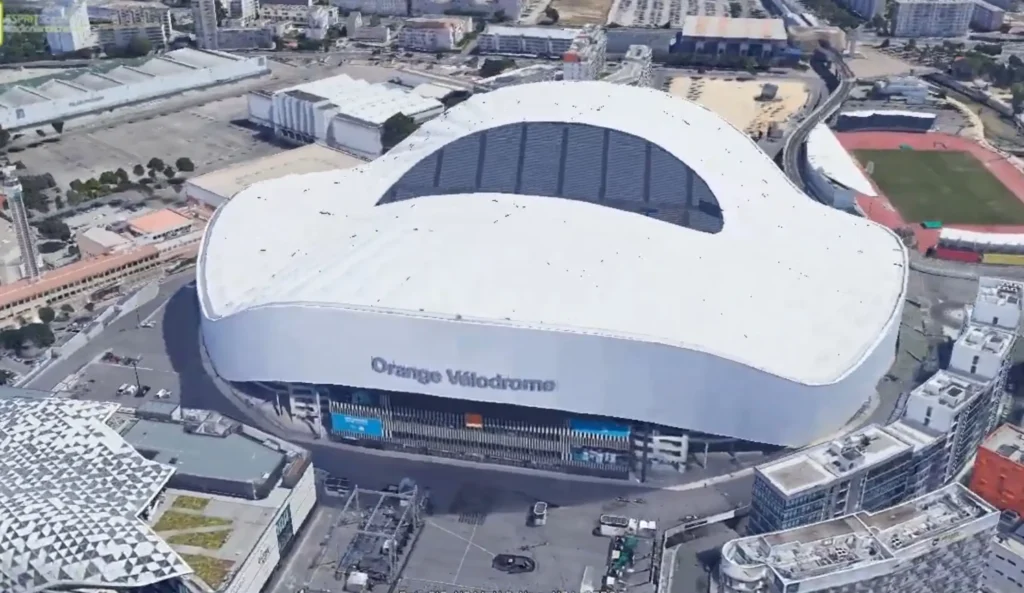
x,y
364,101
721,27
537,32
71,491
825,152
777,272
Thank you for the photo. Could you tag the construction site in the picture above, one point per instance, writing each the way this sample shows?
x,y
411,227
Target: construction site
x,y
757,107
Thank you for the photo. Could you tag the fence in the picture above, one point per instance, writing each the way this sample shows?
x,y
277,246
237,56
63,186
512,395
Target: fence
x,y
1003,259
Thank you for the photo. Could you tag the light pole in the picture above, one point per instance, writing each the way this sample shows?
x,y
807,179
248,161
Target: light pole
x,y
135,367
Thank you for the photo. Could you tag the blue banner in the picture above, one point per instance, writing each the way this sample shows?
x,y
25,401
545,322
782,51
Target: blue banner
x,y
599,428
356,424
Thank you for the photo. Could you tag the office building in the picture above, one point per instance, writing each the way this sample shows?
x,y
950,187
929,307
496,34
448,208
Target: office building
x,y
71,21
1004,565
100,487
635,68
933,544
526,41
204,18
243,10
584,60
932,18
434,33
293,13
118,23
524,158
11,188
236,38
998,474
987,16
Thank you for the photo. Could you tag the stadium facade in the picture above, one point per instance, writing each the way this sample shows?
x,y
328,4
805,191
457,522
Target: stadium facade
x,y
565,275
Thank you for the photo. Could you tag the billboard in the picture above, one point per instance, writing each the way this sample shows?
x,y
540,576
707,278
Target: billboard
x,y
371,427
598,428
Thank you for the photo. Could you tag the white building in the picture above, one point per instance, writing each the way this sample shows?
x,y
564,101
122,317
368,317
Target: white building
x,y
118,23
434,33
986,16
1004,566
340,111
833,177
71,21
204,16
933,544
169,74
470,187
635,69
294,13
235,38
380,34
912,88
530,41
478,8
584,60
378,7
932,18
244,10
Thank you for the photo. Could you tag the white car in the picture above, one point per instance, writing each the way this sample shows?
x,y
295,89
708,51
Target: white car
x,y
130,390
122,389
163,394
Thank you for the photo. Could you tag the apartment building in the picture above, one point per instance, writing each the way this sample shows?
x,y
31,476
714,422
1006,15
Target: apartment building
x,y
932,18
69,22
527,41
294,13
204,15
378,7
987,17
1004,566
933,544
116,24
584,59
943,422
434,33
998,474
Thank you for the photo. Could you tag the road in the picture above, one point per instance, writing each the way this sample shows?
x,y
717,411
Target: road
x,y
177,305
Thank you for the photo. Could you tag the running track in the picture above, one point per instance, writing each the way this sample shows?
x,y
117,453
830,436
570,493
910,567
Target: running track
x,y
882,211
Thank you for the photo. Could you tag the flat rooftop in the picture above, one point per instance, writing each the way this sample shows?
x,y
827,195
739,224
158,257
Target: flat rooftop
x,y
313,158
1007,441
862,539
999,291
159,221
233,457
987,338
824,463
539,32
102,216
721,27
948,389
361,100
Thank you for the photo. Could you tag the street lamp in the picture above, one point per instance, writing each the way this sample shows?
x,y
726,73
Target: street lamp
x,y
135,367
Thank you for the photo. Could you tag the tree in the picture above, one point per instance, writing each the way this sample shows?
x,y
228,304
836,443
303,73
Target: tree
x,y
122,175
54,229
155,163
39,334
89,306
58,203
46,314
1017,97
169,172
885,43
152,173
58,126
735,10
139,46
222,14
66,308
108,178
495,66
552,14
5,137
911,45
74,198
397,128
139,170
185,164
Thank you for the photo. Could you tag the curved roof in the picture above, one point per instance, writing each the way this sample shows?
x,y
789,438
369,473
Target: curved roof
x,y
825,152
785,285
70,497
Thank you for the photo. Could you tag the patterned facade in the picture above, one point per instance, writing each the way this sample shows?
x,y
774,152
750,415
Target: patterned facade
x,y
71,494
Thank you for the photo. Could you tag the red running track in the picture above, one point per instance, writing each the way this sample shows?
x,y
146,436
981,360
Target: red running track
x,y
882,211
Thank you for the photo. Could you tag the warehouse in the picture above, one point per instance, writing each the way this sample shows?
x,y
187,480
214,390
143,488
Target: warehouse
x,y
342,112
539,261
723,36
23,106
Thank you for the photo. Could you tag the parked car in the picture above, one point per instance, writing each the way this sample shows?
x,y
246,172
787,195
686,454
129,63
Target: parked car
x,y
144,391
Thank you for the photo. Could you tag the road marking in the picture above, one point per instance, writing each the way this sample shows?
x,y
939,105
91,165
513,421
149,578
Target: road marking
x,y
129,367
469,542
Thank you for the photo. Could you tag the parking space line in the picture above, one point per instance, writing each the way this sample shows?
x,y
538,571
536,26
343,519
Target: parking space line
x,y
129,367
469,542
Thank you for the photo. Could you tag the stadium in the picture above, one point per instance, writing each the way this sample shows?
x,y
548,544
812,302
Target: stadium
x,y
545,273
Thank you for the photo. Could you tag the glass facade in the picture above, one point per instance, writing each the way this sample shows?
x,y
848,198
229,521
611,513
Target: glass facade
x,y
561,160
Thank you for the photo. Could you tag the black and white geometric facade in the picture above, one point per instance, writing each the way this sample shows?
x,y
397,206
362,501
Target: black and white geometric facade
x,y
71,490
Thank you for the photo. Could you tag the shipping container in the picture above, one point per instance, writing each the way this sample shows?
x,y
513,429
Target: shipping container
x,y
957,255
1003,259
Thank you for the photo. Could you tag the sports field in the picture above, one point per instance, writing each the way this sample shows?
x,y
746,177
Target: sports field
x,y
947,186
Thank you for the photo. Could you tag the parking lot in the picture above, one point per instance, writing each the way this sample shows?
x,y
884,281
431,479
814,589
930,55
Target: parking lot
x,y
100,380
203,134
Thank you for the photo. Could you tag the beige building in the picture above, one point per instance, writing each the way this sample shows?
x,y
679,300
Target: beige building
x,y
160,225
98,241
434,33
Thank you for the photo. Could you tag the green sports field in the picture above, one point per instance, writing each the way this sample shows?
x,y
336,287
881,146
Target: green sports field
x,y
951,187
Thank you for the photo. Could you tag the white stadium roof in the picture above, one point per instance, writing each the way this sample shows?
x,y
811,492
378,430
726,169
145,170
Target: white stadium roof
x,y
787,286
825,152
70,497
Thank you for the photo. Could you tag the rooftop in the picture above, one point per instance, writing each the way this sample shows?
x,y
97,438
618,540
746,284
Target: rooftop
x,y
362,100
1007,441
539,32
70,497
863,539
104,238
312,158
999,291
159,221
439,246
986,338
585,45
948,389
825,152
102,216
824,463
721,27
238,458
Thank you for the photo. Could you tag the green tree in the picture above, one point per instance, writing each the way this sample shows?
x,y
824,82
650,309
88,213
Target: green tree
x,y
58,202
74,198
76,184
39,334
1017,97
152,173
222,14
122,175
169,172
552,14
155,163
66,308
139,170
11,338
397,128
54,229
139,46
911,45
5,137
46,314
495,66
185,164
108,178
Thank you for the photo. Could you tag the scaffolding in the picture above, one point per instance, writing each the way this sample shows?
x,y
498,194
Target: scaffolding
x,y
387,525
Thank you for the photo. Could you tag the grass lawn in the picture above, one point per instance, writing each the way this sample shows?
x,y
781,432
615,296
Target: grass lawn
x,y
210,540
192,503
952,187
175,520
211,570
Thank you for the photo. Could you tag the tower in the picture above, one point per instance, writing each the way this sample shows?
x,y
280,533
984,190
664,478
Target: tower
x,y
11,188
204,15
